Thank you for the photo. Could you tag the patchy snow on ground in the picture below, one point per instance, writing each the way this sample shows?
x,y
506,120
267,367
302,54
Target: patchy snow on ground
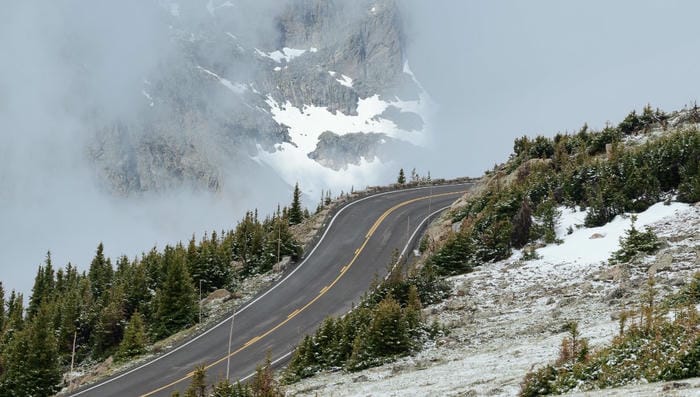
x,y
507,318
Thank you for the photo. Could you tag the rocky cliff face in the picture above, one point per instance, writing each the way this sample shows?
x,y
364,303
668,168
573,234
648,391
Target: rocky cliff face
x,y
312,87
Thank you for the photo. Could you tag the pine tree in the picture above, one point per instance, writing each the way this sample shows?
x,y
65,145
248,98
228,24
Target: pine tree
x,y
402,177
198,386
2,310
413,308
109,329
175,300
414,175
43,286
295,212
522,222
388,333
100,274
137,297
226,389
134,342
15,318
263,383
31,359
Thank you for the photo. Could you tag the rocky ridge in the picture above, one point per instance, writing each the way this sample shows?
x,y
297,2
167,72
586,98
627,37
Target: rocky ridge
x,y
205,114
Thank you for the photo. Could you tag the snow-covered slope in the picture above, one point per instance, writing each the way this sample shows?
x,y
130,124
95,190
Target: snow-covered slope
x,y
506,318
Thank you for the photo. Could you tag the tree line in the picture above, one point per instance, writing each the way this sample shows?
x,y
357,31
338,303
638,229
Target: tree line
x,y
118,308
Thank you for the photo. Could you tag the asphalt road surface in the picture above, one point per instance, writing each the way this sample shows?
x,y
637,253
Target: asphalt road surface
x,y
355,249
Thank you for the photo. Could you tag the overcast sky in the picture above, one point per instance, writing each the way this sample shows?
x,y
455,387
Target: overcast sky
x,y
496,69
501,69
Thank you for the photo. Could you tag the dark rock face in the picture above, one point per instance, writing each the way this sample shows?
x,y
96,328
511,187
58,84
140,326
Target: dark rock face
x,y
336,152
205,111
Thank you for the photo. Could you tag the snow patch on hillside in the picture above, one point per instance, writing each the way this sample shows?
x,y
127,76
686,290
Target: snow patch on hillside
x,y
293,166
345,81
591,245
306,125
286,54
149,97
236,88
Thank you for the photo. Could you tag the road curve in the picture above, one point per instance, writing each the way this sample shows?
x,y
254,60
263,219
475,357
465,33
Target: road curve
x,y
355,249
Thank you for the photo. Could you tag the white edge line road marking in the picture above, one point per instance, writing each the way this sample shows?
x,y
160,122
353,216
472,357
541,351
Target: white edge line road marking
x,y
226,320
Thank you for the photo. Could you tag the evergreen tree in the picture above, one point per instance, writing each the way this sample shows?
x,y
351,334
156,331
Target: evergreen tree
x,y
413,308
89,311
263,383
134,342
137,296
100,274
110,324
198,386
67,316
547,216
522,221
226,389
388,333
15,315
296,214
175,300
689,187
402,177
31,359
2,310
43,286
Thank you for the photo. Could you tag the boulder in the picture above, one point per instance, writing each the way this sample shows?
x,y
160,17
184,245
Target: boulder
x,y
216,298
662,262
282,265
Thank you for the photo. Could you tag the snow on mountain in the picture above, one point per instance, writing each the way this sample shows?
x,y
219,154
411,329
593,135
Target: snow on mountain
x,y
317,68
286,54
345,81
305,125
237,88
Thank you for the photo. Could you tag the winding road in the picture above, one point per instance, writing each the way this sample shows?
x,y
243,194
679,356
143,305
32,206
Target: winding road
x,y
355,249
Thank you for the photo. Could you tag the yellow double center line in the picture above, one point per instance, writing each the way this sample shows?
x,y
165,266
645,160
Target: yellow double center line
x,y
325,289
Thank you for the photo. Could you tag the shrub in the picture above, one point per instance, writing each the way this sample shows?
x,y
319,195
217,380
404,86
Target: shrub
x,y
655,349
635,242
386,325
